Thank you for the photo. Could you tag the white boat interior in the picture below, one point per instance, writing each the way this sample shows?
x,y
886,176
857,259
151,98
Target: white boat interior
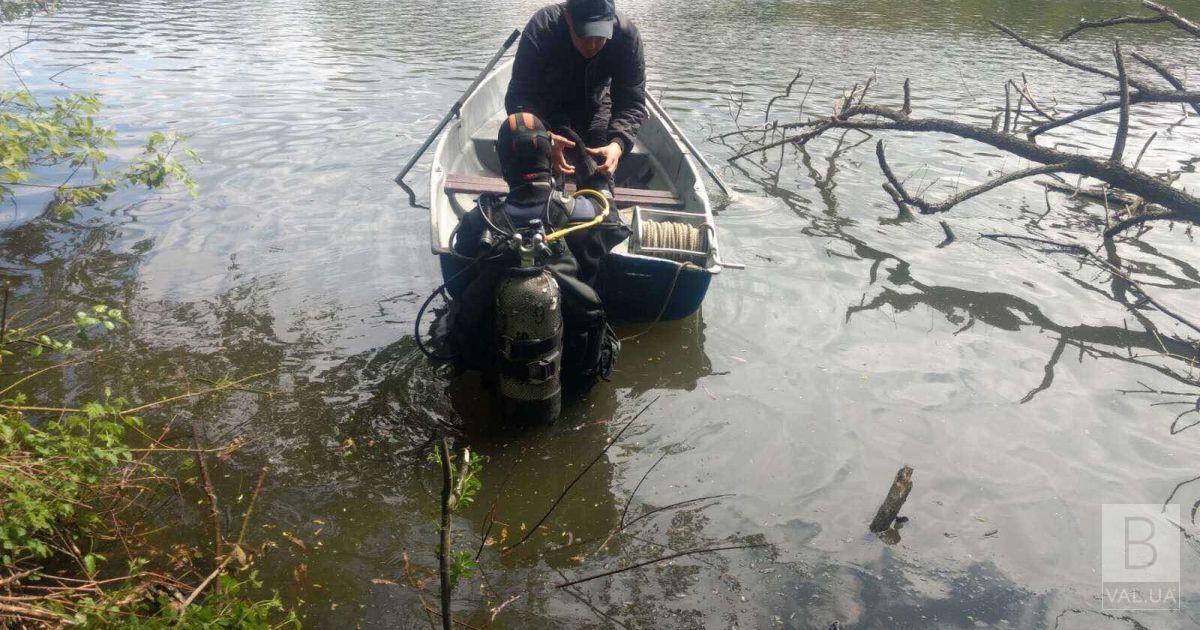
x,y
659,176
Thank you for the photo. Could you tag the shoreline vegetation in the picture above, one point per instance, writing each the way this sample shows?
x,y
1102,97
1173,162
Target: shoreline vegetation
x,y
86,486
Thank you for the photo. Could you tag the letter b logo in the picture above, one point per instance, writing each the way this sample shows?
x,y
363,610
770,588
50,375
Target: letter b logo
x,y
1139,532
1139,543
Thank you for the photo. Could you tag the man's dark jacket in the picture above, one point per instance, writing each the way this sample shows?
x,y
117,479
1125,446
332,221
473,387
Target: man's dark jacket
x,y
602,98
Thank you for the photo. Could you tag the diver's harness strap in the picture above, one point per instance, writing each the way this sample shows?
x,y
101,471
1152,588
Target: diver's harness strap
x,y
518,350
516,357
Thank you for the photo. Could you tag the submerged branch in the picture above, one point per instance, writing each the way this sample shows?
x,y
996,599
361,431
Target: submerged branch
x,y
639,565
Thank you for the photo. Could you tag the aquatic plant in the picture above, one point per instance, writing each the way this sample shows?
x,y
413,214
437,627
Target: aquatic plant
x,y
57,146
78,486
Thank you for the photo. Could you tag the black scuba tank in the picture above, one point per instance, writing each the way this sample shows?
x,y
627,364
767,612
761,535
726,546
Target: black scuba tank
x,y
529,336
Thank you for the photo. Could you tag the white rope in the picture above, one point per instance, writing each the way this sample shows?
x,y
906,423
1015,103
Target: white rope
x,y
674,235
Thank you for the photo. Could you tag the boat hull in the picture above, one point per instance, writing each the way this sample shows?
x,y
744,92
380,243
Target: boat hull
x,y
633,288
633,284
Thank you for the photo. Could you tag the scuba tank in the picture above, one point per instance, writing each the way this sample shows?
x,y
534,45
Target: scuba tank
x,y
529,335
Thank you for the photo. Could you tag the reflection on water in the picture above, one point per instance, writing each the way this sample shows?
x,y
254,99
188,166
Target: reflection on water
x,y
851,346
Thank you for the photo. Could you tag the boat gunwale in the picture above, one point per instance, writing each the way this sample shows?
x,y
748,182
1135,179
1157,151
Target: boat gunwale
x,y
438,176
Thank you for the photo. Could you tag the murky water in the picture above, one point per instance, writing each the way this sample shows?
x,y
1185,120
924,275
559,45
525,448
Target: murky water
x,y
850,346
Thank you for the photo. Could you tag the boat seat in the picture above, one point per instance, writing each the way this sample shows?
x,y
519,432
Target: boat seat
x,y
634,164
625,197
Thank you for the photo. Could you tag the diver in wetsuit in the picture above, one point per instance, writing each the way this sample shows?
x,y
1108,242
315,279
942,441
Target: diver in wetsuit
x,y
589,345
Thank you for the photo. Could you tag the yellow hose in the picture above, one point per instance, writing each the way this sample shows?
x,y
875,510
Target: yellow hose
x,y
588,192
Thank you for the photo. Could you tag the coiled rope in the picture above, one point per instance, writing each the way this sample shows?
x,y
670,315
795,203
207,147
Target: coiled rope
x,y
675,235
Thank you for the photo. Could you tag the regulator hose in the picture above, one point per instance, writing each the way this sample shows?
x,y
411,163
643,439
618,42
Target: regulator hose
x,y
421,315
604,205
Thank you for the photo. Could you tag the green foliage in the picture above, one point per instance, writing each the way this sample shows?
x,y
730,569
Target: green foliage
x,y
66,480
231,606
462,566
41,336
100,315
465,483
49,475
465,476
39,141
470,482
13,9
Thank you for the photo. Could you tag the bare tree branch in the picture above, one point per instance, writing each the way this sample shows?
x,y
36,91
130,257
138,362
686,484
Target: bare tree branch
x,y
690,552
1165,74
1123,125
786,93
1085,24
1144,185
1008,107
1063,59
926,207
1142,153
1178,20
1023,92
19,46
1139,219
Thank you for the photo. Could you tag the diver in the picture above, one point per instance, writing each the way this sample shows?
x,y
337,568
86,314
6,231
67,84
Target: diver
x,y
584,349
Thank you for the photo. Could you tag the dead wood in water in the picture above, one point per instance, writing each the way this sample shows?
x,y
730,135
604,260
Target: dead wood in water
x,y
1015,131
892,504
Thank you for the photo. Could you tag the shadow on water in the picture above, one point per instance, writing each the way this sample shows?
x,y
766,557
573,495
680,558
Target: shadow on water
x,y
887,591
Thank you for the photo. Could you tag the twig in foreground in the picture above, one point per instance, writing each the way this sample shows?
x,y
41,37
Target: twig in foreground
x,y
563,494
639,565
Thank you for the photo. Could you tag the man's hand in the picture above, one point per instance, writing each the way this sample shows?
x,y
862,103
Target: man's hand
x,y
558,145
611,156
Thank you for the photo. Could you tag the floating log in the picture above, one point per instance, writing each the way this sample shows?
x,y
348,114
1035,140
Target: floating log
x,y
896,497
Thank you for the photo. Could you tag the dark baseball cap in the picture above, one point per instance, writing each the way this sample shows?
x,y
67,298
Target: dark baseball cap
x,y
593,18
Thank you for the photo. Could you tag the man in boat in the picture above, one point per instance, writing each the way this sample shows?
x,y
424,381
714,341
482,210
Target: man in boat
x,y
580,65
589,346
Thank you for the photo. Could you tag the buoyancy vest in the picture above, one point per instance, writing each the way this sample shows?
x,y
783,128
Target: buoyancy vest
x,y
590,346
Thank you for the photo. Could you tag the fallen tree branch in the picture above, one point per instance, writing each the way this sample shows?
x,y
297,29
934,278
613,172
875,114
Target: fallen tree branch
x,y
897,494
926,207
203,392
1063,59
1179,21
1118,151
639,565
879,118
210,494
786,93
1166,74
208,580
1085,24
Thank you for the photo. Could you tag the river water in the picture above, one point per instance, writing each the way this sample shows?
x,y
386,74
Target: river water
x,y
850,346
